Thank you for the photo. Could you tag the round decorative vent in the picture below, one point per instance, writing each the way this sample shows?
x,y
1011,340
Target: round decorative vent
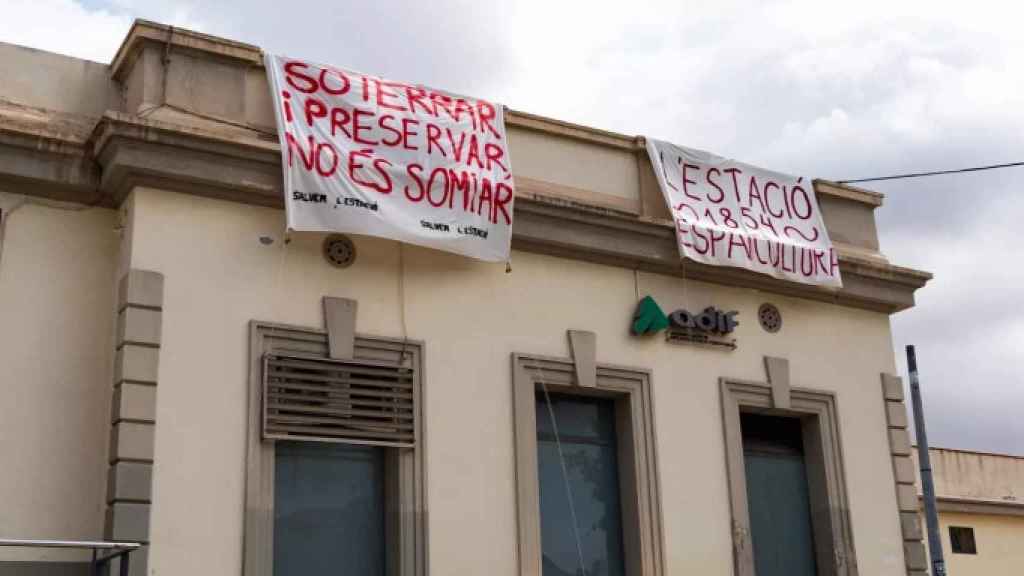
x,y
339,250
769,317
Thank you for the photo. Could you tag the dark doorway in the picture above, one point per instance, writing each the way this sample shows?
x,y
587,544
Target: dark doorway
x,y
778,499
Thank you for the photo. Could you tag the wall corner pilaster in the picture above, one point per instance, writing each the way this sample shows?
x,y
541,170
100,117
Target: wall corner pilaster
x,y
133,412
915,557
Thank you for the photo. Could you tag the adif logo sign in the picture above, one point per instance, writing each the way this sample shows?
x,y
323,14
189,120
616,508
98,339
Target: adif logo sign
x,y
683,325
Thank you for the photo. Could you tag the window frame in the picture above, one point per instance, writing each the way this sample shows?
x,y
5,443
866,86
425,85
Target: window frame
x,y
405,469
818,413
973,551
640,495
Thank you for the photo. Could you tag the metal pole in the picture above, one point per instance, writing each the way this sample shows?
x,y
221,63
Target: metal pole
x,y
931,516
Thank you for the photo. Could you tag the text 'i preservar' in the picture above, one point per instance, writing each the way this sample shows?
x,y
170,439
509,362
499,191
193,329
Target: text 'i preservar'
x,y
366,155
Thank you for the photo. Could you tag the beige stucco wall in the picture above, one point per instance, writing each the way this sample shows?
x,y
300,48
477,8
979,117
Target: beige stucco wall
x,y
56,82
471,316
998,539
57,273
976,475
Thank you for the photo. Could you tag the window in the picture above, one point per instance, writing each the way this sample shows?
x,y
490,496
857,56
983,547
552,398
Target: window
x,y
335,481
328,508
587,490
961,540
785,468
577,468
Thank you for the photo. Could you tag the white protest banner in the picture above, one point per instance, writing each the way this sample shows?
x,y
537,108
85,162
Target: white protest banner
x,y
370,156
728,213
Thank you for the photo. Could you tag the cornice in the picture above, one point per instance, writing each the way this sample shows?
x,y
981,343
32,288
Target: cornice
x,y
173,38
241,166
985,506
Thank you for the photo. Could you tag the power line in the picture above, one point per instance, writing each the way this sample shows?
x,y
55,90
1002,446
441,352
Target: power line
x,y
937,173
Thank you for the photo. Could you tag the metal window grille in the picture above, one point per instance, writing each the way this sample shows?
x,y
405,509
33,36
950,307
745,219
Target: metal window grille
x,y
348,401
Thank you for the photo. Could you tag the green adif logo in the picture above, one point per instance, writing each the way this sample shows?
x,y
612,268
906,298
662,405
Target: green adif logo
x,y
649,318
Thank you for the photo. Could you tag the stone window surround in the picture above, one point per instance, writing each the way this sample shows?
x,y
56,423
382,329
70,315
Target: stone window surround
x,y
405,487
630,388
818,413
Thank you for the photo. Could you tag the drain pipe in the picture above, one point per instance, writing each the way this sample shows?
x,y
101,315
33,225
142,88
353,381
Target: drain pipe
x,y
931,516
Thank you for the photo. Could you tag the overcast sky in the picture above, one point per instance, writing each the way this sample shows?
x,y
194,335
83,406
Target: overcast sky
x,y
829,89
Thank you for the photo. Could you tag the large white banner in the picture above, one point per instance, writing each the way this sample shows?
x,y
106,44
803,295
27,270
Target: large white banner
x,y
729,213
371,156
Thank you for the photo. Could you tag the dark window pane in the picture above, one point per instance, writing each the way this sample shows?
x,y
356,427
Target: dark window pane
x,y
328,509
586,428
961,540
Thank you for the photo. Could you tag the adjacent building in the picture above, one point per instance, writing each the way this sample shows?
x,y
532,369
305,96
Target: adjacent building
x,y
980,499
180,373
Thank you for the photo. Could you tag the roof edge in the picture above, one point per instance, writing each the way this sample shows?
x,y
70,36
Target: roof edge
x,y
143,31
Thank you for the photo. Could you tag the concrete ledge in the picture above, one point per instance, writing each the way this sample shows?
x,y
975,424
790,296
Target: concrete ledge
x,y
245,168
130,482
131,441
133,403
979,506
144,31
44,154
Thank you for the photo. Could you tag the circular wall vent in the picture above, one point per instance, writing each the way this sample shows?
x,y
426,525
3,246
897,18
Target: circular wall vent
x,y
769,317
339,250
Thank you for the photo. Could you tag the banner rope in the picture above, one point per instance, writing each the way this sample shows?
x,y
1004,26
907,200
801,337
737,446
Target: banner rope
x,y
281,259
682,265
401,302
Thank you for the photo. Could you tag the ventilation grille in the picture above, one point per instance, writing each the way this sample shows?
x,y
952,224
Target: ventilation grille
x,y
769,317
309,398
339,250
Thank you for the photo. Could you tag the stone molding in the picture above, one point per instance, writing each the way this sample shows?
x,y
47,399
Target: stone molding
x,y
133,412
100,160
914,554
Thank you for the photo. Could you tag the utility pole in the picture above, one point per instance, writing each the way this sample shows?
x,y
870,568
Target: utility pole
x,y
931,516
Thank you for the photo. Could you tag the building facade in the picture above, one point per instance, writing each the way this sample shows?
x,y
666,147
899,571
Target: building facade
x,y
980,499
156,321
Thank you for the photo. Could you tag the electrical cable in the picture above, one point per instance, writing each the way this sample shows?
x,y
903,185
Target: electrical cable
x,y
935,173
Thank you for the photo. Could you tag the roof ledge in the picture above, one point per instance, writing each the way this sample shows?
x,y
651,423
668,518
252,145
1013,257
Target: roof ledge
x,y
144,31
